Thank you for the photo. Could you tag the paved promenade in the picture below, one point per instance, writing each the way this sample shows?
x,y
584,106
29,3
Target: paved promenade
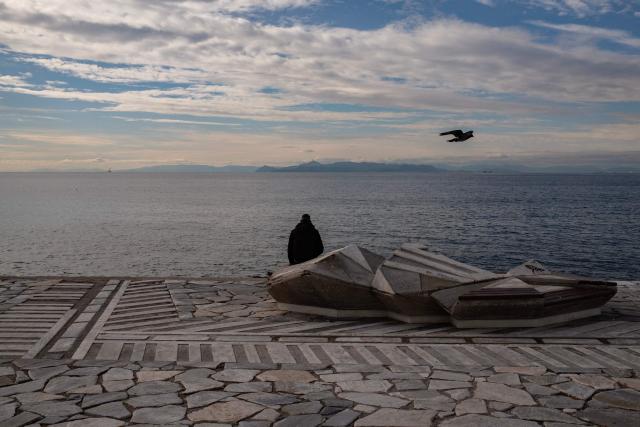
x,y
111,352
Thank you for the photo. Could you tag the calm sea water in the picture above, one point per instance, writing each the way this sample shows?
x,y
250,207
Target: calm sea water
x,y
238,224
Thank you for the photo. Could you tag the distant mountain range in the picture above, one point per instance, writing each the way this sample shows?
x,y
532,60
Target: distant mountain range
x,y
350,167
346,166
304,167
192,169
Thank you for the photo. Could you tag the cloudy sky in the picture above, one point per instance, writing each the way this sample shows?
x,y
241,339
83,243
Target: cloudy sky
x,y
127,83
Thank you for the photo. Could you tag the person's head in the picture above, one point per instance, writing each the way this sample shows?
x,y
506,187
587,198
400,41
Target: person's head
x,y
305,218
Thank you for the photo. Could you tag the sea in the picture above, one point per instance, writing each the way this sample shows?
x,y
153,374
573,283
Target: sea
x,y
217,224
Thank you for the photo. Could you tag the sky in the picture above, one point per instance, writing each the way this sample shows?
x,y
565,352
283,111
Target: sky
x,y
127,83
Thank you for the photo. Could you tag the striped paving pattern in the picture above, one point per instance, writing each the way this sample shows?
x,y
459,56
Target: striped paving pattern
x,y
558,356
36,315
143,320
586,328
143,305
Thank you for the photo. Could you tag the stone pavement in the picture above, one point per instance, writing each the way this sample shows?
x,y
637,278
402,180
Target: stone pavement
x,y
109,352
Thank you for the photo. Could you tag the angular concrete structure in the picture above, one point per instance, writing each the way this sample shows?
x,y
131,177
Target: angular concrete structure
x,y
404,283
418,286
336,284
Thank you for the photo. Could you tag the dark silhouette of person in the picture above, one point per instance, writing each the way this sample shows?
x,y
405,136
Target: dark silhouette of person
x,y
305,242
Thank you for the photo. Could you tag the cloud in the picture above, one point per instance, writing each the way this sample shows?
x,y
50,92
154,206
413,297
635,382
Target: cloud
x,y
120,74
443,63
581,8
489,3
617,36
12,81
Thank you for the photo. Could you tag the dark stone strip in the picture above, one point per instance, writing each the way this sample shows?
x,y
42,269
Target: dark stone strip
x,y
206,354
263,354
149,352
353,352
126,352
321,354
412,355
240,353
93,351
297,354
379,355
183,352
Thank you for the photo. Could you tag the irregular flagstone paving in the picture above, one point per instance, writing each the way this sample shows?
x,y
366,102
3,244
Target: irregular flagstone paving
x,y
214,353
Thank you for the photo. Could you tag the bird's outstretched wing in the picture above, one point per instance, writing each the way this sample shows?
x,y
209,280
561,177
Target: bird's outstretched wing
x,y
457,133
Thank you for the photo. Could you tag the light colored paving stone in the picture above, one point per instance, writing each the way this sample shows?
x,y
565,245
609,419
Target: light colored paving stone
x,y
343,418
268,399
506,378
500,406
522,370
302,408
21,419
540,390
561,402
144,376
37,396
471,406
544,414
436,403
226,412
610,417
334,378
409,385
450,376
65,383
111,410
547,379
154,400
48,372
503,393
25,387
267,415
575,390
287,376
89,389
236,375
597,382
7,411
397,418
117,374
249,387
300,388
629,382
446,385
91,422
99,399
154,387
458,394
474,420
374,399
163,415
621,398
117,385
195,380
90,371
53,409
365,386
300,420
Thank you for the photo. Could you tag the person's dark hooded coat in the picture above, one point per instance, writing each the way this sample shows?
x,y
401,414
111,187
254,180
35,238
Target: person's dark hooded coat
x,y
305,242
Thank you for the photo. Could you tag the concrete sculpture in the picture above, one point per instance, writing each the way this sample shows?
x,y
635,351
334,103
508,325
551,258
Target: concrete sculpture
x,y
418,286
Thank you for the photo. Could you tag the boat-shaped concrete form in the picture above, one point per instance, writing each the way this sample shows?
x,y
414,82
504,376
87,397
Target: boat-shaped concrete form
x,y
418,286
336,284
530,296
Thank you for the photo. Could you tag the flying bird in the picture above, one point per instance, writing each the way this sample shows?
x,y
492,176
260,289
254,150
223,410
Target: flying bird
x,y
459,135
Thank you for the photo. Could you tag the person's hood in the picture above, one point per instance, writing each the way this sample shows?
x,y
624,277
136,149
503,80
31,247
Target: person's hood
x,y
305,224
